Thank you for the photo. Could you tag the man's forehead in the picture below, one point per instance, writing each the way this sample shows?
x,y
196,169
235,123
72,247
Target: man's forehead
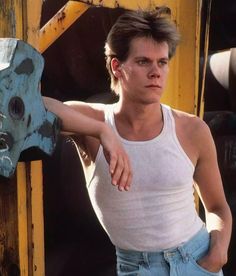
x,y
143,46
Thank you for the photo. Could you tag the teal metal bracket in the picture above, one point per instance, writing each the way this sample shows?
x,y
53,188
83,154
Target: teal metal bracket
x,y
24,121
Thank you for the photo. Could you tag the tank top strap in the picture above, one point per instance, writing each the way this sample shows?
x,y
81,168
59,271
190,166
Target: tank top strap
x,y
169,122
170,125
108,114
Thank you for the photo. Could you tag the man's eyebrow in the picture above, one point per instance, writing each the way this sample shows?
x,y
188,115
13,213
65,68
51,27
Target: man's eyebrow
x,y
147,58
142,58
164,58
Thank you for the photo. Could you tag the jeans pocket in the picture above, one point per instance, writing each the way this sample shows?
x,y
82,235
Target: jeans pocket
x,y
203,270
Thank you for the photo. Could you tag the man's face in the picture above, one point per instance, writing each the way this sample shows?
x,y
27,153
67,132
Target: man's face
x,y
143,75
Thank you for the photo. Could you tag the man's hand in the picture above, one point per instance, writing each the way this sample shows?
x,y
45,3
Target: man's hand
x,y
117,158
212,263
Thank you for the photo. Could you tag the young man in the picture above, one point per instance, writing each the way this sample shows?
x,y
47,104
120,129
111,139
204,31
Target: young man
x,y
154,225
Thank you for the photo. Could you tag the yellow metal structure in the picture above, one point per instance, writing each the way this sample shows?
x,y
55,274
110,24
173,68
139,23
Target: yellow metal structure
x,y
206,46
60,23
21,19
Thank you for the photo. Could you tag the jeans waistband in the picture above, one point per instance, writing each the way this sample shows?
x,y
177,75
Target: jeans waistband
x,y
182,250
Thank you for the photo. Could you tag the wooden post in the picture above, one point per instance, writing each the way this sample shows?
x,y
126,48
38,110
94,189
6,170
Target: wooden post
x,y
21,204
11,25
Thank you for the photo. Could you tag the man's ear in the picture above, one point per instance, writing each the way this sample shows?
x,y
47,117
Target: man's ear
x,y
116,67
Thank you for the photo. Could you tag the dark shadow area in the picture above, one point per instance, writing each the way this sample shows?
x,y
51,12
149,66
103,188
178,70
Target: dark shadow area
x,y
220,103
75,64
223,128
75,242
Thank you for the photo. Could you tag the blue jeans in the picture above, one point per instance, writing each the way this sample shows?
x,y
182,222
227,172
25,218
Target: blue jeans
x,y
179,261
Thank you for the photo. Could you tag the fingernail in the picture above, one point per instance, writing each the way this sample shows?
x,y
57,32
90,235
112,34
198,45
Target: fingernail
x,y
127,188
121,188
114,182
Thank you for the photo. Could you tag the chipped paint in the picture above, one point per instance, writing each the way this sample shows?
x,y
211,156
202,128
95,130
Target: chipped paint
x,y
60,23
25,67
6,141
24,121
46,129
61,15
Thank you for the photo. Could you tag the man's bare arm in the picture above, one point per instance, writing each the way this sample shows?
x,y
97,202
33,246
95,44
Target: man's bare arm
x,y
76,122
210,189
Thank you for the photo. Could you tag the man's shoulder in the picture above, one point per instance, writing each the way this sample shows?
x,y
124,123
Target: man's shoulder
x,y
99,110
93,110
194,130
190,122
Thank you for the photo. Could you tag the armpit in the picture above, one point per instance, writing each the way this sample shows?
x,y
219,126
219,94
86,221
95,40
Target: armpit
x,y
78,142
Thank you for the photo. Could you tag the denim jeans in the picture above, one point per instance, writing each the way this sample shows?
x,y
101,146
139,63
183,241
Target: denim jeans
x,y
179,261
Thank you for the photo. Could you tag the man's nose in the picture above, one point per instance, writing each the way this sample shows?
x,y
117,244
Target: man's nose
x,y
154,71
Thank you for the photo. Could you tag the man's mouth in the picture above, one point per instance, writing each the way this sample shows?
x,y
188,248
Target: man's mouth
x,y
153,86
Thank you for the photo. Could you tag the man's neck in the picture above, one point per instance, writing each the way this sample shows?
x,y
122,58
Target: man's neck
x,y
139,122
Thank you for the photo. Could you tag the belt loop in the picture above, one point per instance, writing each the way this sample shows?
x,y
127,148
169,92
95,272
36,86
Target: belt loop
x,y
183,254
146,259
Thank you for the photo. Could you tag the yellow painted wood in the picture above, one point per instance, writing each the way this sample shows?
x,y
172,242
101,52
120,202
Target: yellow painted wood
x,y
206,48
19,19
37,218
33,10
11,19
131,4
22,218
60,23
182,89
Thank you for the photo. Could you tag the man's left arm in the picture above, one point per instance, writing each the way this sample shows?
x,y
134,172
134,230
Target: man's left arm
x,y
210,189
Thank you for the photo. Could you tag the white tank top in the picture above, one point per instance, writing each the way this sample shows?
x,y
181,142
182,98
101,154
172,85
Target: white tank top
x,y
158,212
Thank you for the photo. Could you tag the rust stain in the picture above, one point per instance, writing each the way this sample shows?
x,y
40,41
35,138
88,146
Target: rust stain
x,y
117,5
61,15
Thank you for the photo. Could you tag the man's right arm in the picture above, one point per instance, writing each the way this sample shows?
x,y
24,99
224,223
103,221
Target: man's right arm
x,y
87,125
75,118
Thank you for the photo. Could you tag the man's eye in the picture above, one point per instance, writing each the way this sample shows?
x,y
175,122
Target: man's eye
x,y
142,61
163,62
